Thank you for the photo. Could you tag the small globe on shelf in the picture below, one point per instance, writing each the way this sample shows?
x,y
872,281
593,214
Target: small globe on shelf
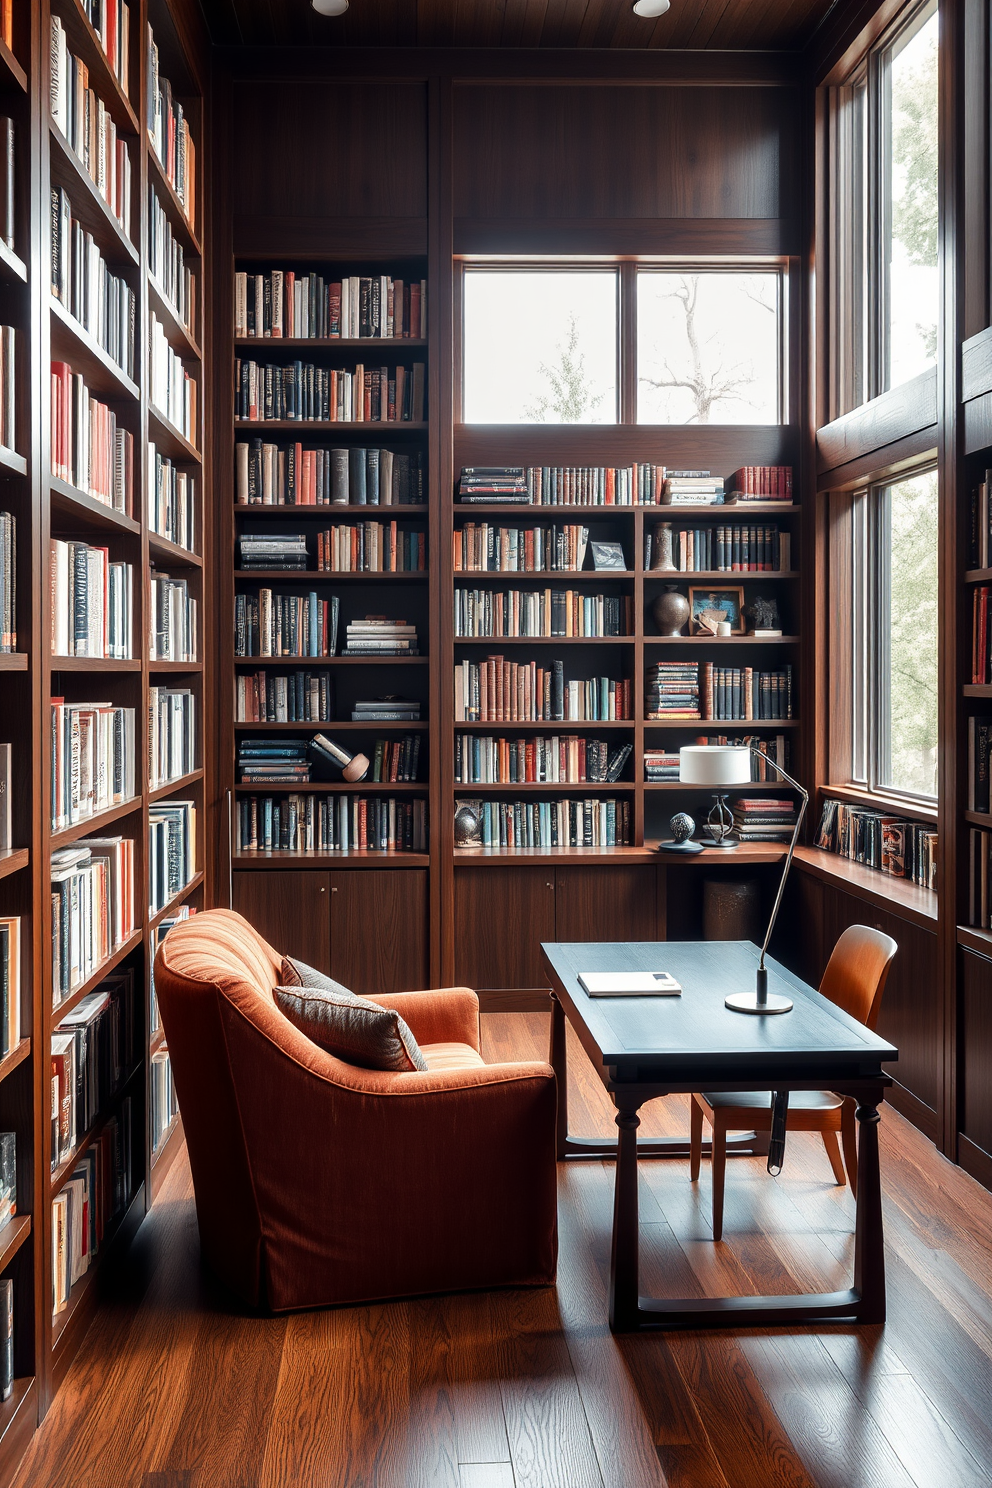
x,y
681,826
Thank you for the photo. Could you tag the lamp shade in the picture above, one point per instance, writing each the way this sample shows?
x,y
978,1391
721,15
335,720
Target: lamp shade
x,y
714,764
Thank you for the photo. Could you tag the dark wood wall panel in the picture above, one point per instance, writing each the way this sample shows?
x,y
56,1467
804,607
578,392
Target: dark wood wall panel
x,y
379,930
976,1063
501,917
614,903
642,152
290,909
303,150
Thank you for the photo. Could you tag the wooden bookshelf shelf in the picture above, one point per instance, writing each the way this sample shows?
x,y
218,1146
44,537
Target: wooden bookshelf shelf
x,y
547,578
165,191
328,510
169,788
719,575
72,343
546,787
246,344
176,668
93,826
93,664
11,266
366,858
481,857
81,510
178,335
13,661
726,726
13,859
87,203
543,725
330,426
913,902
168,439
313,663
12,462
731,640
64,1008
974,939
764,786
336,726
544,640
67,1166
335,788
175,901
8,1064
328,576
977,689
12,1237
171,552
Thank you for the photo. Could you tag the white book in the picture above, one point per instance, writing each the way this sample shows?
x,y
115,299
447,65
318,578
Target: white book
x,y
629,983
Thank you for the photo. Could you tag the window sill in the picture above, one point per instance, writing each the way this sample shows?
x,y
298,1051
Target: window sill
x,y
879,801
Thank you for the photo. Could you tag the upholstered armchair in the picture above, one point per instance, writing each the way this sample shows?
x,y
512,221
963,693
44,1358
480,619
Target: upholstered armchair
x,y
318,1182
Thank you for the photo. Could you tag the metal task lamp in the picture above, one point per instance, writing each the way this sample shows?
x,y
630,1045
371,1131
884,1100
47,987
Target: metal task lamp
x,y
721,765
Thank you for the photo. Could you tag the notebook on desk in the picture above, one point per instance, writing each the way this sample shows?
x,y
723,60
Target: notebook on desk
x,y
629,983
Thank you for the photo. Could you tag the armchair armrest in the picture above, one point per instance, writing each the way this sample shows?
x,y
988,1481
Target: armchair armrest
x,y
442,1016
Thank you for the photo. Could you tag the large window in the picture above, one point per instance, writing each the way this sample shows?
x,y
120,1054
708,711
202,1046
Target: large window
x,y
547,345
894,727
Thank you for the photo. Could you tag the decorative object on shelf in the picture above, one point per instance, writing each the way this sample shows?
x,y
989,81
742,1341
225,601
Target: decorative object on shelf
x,y
468,825
762,617
715,606
719,765
730,908
662,560
670,611
606,555
720,822
681,827
353,767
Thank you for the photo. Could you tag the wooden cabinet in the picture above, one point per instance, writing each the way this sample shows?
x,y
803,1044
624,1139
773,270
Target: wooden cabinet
x,y
379,929
613,903
976,1067
291,910
501,917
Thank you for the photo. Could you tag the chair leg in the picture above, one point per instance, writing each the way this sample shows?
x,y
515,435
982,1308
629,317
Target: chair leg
x,y
849,1139
695,1138
833,1152
718,1169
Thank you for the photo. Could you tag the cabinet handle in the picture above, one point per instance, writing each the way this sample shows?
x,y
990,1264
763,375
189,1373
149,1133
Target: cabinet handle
x,y
333,891
323,891
550,885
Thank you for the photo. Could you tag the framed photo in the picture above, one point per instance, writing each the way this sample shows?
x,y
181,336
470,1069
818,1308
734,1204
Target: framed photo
x,y
607,555
713,604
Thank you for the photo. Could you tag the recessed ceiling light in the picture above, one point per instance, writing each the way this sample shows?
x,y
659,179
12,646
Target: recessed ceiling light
x,y
338,7
651,9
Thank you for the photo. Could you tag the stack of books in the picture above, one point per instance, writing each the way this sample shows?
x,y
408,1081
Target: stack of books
x,y
377,636
171,734
286,550
96,1050
891,844
479,547
308,307
301,391
169,133
692,488
95,1193
173,619
566,759
89,450
980,529
10,983
542,612
267,475
171,506
8,387
293,697
8,583
92,908
170,386
102,302
499,690
386,710
981,635
745,692
396,760
88,126
979,740
764,819
371,547
92,759
760,483
672,690
494,484
598,821
92,600
661,764
270,624
171,850
262,762
167,263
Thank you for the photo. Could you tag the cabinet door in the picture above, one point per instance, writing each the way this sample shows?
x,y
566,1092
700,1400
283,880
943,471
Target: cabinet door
x,y
610,903
290,909
379,929
501,917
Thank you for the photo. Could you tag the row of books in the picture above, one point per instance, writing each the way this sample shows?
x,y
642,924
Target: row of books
x,y
764,819
90,449
376,636
692,488
365,547
8,180
173,632
274,761
396,760
499,690
692,689
541,612
8,1188
723,549
595,822
293,697
980,878
171,734
761,483
485,548
92,908
979,739
663,764
980,526
93,751
170,387
550,485
390,708
171,850
340,823
97,1191
8,387
88,127
102,302
309,307
561,759
270,475
167,263
172,500
270,624
981,634
323,395
111,20
905,849
164,1102
169,133
94,1049
8,584
91,602
10,983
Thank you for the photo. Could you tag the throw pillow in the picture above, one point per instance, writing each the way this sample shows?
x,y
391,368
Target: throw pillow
x,y
296,973
352,1029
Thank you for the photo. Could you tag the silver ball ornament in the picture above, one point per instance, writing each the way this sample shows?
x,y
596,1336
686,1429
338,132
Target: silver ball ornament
x,y
681,826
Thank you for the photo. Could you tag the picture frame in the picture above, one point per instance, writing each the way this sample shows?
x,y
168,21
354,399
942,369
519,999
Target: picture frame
x,y
608,555
723,601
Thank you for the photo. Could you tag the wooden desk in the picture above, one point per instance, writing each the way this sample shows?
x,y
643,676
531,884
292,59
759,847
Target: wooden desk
x,y
648,1047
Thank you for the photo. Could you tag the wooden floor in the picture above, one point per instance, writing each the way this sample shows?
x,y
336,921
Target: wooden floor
x,y
175,1388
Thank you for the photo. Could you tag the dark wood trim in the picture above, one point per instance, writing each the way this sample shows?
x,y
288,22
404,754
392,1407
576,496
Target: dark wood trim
x,y
976,365
656,236
975,1160
878,465
924,1117
514,1000
876,425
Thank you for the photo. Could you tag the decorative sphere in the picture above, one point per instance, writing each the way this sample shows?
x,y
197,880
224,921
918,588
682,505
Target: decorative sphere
x,y
468,826
681,826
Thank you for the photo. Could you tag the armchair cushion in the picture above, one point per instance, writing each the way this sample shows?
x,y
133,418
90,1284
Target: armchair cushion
x,y
452,1057
350,1028
297,973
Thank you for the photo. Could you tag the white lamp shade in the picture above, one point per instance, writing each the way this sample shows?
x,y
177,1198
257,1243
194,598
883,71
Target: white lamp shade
x,y
330,7
714,764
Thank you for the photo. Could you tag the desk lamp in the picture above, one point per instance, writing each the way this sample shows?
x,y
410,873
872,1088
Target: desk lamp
x,y
727,764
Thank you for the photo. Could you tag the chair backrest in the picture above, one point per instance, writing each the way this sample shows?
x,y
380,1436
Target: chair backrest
x,y
856,973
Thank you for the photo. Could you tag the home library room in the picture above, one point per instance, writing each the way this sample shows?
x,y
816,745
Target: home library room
x,y
102,668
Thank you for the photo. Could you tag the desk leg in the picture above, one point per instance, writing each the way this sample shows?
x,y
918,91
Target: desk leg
x,y
558,1060
869,1244
623,1259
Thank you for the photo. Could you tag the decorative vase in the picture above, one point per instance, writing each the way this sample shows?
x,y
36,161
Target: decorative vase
x,y
662,560
671,611
468,826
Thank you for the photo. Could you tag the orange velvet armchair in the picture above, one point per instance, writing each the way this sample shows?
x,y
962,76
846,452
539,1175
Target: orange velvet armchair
x,y
317,1182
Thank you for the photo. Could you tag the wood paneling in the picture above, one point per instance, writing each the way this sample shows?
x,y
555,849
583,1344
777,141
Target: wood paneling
x,y
291,911
976,1045
886,420
606,904
379,929
501,917
645,236
561,152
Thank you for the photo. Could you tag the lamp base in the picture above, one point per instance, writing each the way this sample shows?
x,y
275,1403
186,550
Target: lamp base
x,y
727,846
747,1002
688,847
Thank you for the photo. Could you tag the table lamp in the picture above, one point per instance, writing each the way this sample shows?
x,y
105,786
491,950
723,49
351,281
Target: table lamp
x,y
730,764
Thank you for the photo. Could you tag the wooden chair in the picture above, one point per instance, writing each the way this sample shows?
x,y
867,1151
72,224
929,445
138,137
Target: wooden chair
x,y
854,980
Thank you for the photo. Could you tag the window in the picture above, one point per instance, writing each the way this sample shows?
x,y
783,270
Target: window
x,y
709,347
540,346
894,724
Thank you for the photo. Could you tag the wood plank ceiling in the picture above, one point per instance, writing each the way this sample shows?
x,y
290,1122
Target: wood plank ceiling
x,y
710,24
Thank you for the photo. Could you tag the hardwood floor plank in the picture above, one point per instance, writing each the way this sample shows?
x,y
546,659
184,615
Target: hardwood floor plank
x,y
431,1433
485,1475
480,1430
